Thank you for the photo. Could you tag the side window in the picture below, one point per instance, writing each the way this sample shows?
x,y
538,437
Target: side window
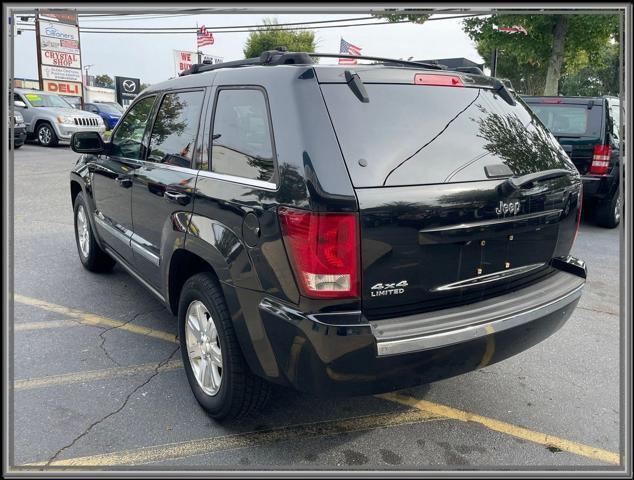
x,y
614,111
92,108
127,140
242,143
173,136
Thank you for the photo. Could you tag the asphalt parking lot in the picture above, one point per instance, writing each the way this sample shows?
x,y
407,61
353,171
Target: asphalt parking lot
x,y
98,379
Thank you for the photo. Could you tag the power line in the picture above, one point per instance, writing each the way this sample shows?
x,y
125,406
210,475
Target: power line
x,y
235,26
187,30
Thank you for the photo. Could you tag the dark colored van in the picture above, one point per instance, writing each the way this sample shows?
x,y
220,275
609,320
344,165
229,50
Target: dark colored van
x,y
342,230
588,130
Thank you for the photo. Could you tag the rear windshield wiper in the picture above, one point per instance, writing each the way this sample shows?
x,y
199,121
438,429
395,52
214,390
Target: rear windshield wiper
x,y
515,183
356,85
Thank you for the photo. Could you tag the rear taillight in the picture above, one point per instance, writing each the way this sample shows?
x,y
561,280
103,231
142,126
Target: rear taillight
x,y
600,160
438,80
324,251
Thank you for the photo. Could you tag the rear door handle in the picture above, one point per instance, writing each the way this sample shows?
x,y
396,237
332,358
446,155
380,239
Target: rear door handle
x,y
180,198
125,182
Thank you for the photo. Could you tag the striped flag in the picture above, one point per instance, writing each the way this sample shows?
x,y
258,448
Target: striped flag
x,y
348,49
204,37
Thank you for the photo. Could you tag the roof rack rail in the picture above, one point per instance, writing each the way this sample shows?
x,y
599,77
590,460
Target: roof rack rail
x,y
378,59
282,57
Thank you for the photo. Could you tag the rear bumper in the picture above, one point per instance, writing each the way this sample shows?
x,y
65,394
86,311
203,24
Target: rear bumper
x,y
598,187
19,135
385,355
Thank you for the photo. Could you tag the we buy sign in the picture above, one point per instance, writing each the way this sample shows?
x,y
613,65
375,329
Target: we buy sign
x,y
183,60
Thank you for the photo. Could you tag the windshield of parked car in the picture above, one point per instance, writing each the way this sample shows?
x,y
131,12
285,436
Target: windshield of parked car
x,y
109,108
569,120
45,100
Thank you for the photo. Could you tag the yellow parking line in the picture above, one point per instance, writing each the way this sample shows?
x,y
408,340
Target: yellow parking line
x,y
92,375
91,319
506,428
26,326
204,446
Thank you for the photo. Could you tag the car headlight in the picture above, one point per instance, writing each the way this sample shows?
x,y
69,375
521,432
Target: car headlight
x,y
65,120
18,117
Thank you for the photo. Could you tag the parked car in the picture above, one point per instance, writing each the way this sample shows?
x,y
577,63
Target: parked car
x,y
107,111
75,102
51,119
18,131
339,230
588,129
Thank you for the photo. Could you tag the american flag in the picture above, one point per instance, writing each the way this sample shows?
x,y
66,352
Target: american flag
x,y
204,37
348,49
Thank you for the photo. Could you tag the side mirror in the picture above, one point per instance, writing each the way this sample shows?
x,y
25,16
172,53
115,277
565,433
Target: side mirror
x,y
19,104
87,142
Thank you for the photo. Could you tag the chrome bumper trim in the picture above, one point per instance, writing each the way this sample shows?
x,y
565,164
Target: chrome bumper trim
x,y
472,332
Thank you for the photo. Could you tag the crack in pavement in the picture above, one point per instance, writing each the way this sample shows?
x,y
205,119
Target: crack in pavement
x,y
102,345
598,311
123,405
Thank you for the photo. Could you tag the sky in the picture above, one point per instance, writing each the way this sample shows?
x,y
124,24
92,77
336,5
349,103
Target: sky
x,y
151,57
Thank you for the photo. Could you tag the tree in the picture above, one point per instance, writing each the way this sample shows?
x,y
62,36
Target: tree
x,y
104,81
272,35
600,77
400,15
555,45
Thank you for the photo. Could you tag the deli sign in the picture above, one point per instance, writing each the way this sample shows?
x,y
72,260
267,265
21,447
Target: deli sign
x,y
62,88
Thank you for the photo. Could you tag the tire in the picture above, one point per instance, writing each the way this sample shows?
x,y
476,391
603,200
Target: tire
x,y
92,257
15,147
608,213
46,135
235,391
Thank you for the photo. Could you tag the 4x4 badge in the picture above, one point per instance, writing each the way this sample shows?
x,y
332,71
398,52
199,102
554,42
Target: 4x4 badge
x,y
382,289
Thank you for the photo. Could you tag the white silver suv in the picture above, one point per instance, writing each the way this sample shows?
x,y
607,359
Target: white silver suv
x,y
51,119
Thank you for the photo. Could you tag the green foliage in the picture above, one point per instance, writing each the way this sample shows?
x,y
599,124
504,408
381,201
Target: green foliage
x,y
271,35
527,56
598,77
104,81
400,16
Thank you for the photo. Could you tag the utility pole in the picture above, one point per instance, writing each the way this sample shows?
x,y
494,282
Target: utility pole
x,y
198,52
494,62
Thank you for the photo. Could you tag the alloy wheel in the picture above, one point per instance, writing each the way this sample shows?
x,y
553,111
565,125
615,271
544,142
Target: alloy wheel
x,y
83,232
45,135
203,347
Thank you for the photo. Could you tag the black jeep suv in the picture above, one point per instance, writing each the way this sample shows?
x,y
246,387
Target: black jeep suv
x,y
588,130
343,230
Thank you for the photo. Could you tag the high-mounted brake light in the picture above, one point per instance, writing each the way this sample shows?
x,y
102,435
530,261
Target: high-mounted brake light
x,y
438,80
324,251
551,100
600,160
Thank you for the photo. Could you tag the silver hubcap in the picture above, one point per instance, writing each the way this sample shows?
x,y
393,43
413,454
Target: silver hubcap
x,y
617,209
45,135
83,234
203,347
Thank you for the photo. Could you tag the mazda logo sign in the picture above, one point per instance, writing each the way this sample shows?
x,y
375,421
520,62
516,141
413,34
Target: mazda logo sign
x,y
129,86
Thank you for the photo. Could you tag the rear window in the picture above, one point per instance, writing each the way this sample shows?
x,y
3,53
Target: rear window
x,y
415,134
569,120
